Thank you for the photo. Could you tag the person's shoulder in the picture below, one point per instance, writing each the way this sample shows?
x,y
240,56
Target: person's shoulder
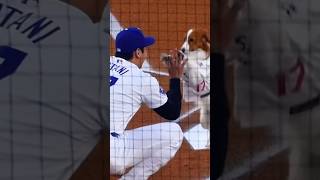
x,y
148,79
146,75
140,75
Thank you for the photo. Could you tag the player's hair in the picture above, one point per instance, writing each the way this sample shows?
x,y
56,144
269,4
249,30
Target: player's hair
x,y
127,56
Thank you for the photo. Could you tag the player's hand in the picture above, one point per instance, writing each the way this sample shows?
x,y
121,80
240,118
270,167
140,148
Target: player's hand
x,y
175,64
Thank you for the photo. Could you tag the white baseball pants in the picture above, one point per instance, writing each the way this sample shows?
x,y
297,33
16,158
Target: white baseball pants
x,y
145,149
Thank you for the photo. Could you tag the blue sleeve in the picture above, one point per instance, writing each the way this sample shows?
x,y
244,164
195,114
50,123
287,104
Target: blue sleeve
x,y
172,108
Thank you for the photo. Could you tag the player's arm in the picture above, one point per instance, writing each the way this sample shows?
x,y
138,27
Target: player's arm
x,y
167,105
172,108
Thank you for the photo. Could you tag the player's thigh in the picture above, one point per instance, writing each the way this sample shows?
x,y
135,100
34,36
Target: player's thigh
x,y
166,131
147,139
135,145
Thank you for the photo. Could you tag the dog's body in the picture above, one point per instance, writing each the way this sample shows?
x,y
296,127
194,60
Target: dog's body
x,y
196,79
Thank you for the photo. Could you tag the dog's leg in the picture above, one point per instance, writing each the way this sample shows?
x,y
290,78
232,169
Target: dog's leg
x,y
205,116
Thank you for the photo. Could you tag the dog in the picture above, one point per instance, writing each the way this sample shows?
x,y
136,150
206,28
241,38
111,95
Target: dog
x,y
196,78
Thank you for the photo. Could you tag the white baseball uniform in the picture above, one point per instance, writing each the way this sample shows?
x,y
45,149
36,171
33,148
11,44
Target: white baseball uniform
x,y
52,88
146,148
279,68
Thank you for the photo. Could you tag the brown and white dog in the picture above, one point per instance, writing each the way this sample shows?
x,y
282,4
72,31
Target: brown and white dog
x,y
196,79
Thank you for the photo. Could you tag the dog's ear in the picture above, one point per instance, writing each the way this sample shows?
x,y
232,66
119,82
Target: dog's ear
x,y
205,40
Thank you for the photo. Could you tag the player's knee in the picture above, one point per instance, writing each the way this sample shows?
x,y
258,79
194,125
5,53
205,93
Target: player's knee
x,y
176,134
171,134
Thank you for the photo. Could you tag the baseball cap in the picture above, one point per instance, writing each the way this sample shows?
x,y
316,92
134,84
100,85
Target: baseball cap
x,y
132,38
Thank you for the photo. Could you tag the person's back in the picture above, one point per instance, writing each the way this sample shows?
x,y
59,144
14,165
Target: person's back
x,y
130,87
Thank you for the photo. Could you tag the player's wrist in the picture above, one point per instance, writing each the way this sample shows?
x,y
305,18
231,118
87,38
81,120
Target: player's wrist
x,y
174,75
174,78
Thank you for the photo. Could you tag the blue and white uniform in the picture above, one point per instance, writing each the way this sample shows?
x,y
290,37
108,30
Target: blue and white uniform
x,y
146,148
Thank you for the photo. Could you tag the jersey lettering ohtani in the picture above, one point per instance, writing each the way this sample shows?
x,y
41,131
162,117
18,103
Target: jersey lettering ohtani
x,y
129,88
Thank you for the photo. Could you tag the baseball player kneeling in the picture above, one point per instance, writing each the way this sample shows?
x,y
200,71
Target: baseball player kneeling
x,y
145,149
